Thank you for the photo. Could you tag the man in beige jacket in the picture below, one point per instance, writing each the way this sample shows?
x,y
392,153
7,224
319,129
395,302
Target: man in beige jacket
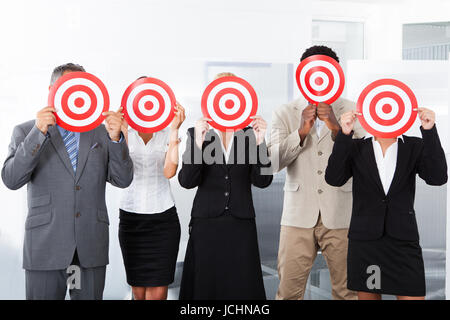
x,y
316,216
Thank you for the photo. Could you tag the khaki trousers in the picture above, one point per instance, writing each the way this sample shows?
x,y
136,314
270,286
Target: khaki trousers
x,y
296,255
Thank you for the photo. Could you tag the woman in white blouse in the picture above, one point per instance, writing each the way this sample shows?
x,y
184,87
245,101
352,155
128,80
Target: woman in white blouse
x,y
149,229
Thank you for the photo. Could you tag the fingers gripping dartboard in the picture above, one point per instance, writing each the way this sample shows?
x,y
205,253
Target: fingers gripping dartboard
x,y
320,79
79,98
387,108
148,105
229,102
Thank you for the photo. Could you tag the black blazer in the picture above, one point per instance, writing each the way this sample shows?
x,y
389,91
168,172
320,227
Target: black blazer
x,y
224,188
375,213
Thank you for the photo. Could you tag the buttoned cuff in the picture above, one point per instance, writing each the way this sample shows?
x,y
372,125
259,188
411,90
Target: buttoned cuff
x,y
343,138
294,140
430,137
120,140
429,132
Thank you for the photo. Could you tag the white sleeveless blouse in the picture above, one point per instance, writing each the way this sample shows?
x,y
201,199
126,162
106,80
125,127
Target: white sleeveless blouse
x,y
150,190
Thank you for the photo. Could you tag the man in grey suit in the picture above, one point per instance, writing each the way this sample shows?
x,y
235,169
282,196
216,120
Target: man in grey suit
x,y
67,227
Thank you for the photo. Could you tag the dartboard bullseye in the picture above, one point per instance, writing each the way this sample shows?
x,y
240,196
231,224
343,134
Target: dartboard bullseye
x,y
229,102
387,108
79,98
148,105
320,79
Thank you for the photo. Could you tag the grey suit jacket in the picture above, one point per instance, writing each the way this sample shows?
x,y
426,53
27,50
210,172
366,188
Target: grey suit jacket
x,y
66,210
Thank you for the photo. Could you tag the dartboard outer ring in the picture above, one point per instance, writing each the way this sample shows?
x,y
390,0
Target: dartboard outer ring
x,y
390,82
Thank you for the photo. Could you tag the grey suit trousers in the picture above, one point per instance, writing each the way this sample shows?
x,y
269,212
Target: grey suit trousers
x,y
52,284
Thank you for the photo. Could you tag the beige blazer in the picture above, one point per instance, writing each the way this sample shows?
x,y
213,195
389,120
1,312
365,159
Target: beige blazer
x,y
305,191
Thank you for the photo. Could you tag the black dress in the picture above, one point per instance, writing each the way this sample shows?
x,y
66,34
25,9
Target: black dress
x,y
383,234
222,258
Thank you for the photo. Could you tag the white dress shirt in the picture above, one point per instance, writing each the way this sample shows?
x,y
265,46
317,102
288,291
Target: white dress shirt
x,y
227,151
386,165
150,190
319,125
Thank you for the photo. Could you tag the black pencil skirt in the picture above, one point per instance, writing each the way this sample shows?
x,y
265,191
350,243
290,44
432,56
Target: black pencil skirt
x,y
149,244
222,261
399,262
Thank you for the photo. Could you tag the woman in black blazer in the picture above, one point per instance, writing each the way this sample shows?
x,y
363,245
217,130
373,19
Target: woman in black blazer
x,y
384,255
222,258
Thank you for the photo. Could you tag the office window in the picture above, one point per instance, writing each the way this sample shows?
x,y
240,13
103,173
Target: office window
x,y
426,41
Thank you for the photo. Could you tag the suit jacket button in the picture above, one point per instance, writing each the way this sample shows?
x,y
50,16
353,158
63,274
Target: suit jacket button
x,y
226,177
77,215
226,194
320,191
226,208
77,188
319,172
320,153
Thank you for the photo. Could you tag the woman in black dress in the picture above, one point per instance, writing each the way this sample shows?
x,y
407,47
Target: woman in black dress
x,y
384,254
222,258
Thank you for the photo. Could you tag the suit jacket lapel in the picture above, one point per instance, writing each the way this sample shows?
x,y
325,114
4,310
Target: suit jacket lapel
x,y
403,153
83,151
372,163
237,150
217,142
58,144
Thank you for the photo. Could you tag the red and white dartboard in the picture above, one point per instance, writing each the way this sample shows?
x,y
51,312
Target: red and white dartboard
x,y
79,98
148,105
229,102
320,79
387,108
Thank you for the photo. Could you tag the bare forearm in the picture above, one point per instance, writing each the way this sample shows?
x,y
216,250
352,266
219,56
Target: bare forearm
x,y
171,161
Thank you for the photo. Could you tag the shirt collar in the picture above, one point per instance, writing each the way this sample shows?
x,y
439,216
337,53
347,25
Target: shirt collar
x,y
130,129
370,136
218,132
62,131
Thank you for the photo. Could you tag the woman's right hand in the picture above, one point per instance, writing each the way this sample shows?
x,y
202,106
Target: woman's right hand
x,y
348,120
200,129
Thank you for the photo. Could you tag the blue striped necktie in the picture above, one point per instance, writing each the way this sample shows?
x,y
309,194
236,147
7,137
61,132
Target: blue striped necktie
x,y
70,142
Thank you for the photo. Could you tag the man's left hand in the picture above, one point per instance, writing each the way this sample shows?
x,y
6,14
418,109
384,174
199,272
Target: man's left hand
x,y
326,114
113,123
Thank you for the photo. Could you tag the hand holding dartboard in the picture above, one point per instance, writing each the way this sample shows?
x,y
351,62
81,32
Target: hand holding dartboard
x,y
386,108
